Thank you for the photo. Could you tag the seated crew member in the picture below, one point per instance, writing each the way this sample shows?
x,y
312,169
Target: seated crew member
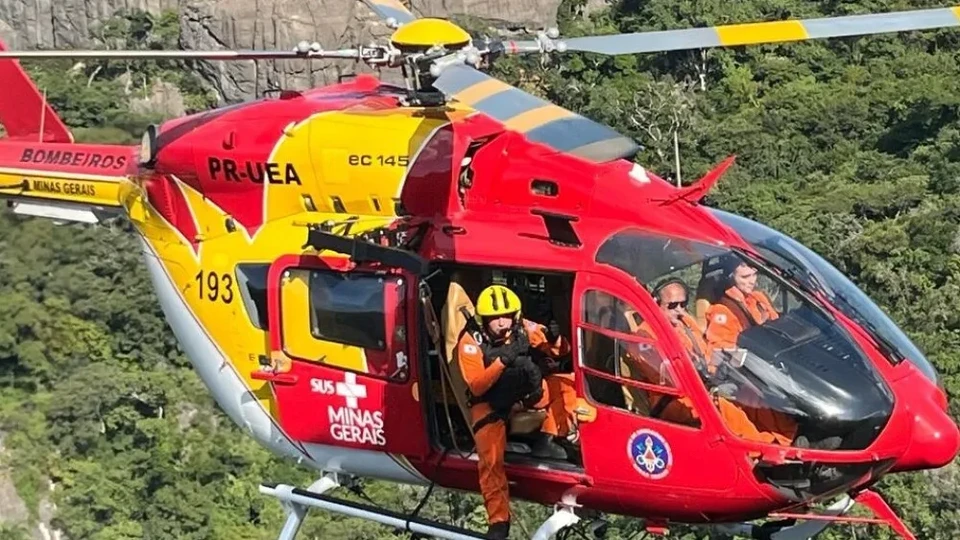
x,y
495,360
672,295
742,306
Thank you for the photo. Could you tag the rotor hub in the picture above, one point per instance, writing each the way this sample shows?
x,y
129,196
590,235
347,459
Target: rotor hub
x,y
422,34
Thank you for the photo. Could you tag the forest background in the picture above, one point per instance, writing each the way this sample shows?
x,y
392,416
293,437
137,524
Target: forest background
x,y
850,145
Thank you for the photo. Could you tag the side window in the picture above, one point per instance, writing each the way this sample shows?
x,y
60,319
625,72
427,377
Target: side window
x,y
623,365
782,298
252,279
348,309
349,320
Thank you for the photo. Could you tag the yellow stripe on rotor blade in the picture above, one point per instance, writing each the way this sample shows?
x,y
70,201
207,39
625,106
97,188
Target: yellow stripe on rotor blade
x,y
765,32
535,118
481,90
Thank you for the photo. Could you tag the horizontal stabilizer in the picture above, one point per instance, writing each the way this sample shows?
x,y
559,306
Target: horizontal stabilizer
x,y
64,182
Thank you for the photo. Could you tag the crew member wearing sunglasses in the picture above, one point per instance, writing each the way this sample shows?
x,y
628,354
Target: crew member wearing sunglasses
x,y
765,426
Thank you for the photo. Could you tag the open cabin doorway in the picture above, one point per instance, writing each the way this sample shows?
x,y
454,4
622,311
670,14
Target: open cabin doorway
x,y
546,297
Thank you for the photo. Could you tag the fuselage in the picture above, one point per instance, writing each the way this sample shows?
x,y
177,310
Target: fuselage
x,y
224,215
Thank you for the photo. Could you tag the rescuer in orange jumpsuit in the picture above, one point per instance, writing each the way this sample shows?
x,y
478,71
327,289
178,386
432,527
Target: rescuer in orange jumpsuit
x,y
743,306
671,295
494,357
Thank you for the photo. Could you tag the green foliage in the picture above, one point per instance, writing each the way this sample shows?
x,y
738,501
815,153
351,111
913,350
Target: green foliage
x,y
94,96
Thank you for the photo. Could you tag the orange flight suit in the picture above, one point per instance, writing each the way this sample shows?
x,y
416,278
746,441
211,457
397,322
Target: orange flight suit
x,y
559,399
725,321
733,415
645,365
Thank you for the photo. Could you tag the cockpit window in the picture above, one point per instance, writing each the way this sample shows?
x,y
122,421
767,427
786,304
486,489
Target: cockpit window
x,y
624,366
818,274
780,368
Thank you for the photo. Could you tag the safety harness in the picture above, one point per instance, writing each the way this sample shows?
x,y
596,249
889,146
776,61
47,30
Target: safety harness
x,y
740,311
519,382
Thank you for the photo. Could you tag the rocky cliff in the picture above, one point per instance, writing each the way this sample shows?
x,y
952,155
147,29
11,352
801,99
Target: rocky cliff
x,y
257,24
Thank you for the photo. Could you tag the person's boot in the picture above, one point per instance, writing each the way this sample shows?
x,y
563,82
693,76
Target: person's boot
x,y
499,531
544,447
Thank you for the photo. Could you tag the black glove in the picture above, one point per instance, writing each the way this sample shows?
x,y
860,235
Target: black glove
x,y
519,342
532,398
506,353
507,358
549,335
723,381
509,352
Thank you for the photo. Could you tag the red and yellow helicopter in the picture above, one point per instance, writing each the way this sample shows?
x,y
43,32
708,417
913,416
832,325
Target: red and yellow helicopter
x,y
311,253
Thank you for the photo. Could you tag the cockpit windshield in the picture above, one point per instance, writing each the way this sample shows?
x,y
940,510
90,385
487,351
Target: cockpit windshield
x,y
816,273
781,369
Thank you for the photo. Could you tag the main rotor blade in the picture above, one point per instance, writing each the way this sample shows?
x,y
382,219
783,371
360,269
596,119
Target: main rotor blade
x,y
202,55
391,9
767,32
539,120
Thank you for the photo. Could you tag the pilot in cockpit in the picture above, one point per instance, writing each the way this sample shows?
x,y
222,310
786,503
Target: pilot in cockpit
x,y
741,306
765,426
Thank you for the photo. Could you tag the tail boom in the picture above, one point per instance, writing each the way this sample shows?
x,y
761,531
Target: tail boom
x,y
65,182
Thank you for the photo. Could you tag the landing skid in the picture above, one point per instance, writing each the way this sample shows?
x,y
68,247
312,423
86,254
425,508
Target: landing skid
x,y
811,525
776,531
297,502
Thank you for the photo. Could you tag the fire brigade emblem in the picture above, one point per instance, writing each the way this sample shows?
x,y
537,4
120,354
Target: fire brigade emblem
x,y
650,454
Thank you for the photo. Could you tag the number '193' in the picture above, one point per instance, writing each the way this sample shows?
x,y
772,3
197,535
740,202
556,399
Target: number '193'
x,y
213,286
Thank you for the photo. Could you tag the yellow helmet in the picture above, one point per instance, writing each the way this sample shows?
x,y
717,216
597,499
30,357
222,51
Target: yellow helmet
x,y
497,300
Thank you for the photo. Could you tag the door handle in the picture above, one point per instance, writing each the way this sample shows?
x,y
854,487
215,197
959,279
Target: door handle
x,y
285,379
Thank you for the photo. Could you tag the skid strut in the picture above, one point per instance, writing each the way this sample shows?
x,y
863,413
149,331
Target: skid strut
x,y
296,502
296,512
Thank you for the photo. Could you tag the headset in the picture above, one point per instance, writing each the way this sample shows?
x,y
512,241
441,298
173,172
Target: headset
x,y
659,287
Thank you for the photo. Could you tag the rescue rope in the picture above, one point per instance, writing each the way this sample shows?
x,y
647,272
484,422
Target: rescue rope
x,y
426,299
426,496
446,410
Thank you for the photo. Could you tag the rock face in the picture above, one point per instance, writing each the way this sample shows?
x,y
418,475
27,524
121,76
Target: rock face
x,y
251,24
62,23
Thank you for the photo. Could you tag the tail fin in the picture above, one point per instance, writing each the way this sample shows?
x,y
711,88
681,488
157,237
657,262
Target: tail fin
x,y
24,112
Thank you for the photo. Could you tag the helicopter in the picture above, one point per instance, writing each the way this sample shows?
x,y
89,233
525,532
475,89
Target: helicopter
x,y
318,253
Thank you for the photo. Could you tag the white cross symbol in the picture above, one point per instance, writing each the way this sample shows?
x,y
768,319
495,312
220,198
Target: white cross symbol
x,y
351,390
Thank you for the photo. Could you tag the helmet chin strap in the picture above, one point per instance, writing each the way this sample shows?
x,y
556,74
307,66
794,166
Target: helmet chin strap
x,y
514,327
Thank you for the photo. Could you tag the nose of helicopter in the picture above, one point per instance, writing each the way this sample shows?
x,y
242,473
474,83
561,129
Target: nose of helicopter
x,y
935,439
